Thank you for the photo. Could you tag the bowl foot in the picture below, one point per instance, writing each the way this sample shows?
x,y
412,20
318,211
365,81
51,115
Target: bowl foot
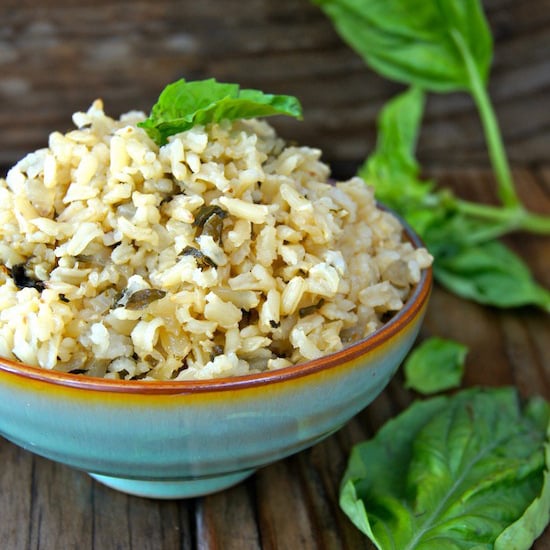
x,y
175,489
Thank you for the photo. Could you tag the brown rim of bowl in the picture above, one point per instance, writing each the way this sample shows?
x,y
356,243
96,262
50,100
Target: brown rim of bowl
x,y
412,306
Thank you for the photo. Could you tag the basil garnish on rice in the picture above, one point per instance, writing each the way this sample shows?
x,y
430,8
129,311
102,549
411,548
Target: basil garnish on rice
x,y
183,104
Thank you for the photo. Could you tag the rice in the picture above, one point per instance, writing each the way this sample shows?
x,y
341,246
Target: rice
x,y
224,252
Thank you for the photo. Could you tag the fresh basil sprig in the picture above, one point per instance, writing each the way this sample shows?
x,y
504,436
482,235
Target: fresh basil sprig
x,y
184,104
441,46
462,472
468,260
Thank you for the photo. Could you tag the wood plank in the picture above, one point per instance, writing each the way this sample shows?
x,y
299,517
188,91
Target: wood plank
x,y
122,521
227,520
57,56
283,514
16,477
530,375
60,507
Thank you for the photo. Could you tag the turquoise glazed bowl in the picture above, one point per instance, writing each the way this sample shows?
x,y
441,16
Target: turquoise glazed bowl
x,y
184,439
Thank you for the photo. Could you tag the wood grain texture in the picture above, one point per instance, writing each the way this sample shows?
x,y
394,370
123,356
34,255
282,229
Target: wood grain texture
x,y
57,56
293,503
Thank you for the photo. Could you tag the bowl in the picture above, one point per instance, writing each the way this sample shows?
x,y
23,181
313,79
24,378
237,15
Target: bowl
x,y
185,439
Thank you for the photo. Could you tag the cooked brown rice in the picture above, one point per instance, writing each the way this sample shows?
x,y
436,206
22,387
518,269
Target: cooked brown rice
x,y
222,253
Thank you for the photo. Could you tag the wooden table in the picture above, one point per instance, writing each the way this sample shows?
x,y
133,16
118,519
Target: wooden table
x,y
292,504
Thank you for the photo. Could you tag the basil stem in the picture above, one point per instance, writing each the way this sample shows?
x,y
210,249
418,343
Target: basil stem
x,y
514,218
493,136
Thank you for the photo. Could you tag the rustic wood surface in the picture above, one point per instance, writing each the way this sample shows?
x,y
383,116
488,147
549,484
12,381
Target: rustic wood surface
x,y
292,504
57,56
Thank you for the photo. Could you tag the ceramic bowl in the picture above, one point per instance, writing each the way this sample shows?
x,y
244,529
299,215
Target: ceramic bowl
x,y
184,439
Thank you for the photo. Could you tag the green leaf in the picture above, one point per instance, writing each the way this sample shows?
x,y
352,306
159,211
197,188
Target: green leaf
x,y
490,273
537,515
452,473
182,105
392,168
376,469
430,43
398,127
435,365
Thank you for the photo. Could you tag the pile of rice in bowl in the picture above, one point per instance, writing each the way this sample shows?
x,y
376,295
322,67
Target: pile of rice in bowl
x,y
222,253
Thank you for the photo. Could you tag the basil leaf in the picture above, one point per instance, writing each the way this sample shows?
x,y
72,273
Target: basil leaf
x,y
452,473
490,273
182,105
435,365
392,168
377,468
537,515
431,43
398,125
